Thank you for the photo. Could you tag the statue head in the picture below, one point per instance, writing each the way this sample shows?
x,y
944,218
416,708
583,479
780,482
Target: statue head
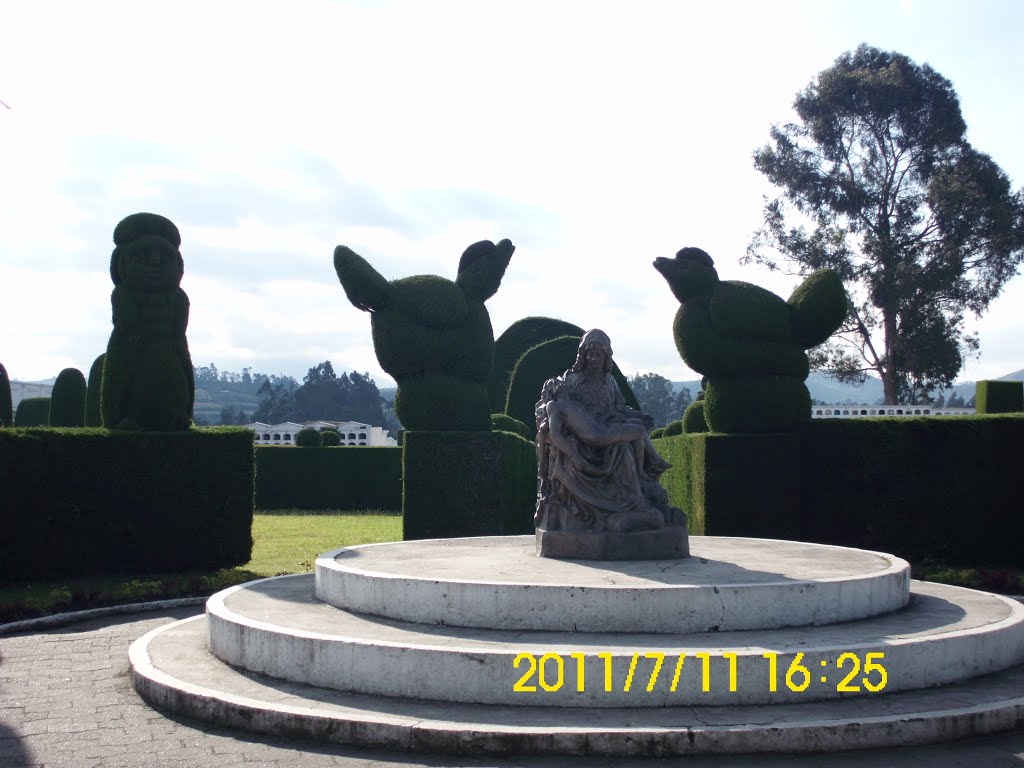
x,y
146,256
594,344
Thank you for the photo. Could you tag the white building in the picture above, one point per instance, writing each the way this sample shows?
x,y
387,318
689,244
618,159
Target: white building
x,y
352,433
858,411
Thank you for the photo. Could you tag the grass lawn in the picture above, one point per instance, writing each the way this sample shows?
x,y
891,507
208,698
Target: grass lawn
x,y
288,541
284,541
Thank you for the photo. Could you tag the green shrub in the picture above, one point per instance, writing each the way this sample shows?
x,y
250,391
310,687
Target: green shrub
x,y
329,438
467,484
658,432
346,478
433,335
91,501
93,415
309,438
67,401
999,397
147,372
540,363
6,408
503,423
514,343
672,429
33,412
693,418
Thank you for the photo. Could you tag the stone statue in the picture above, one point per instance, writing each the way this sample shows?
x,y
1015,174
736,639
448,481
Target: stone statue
x,y
599,496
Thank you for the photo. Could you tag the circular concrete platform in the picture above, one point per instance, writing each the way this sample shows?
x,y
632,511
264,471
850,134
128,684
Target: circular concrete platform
x,y
726,584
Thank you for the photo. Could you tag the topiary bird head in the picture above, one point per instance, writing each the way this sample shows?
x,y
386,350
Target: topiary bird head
x,y
691,273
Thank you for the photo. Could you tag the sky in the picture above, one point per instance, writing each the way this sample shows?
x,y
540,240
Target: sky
x,y
595,135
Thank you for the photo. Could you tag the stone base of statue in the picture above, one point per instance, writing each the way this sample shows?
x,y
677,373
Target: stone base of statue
x,y
669,543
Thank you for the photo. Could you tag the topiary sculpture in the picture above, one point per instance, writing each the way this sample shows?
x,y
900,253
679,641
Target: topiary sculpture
x,y
67,400
501,422
6,407
93,417
329,437
147,375
309,437
433,335
519,337
750,343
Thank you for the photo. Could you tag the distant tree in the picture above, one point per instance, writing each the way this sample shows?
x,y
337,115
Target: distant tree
x,y
683,400
277,404
879,183
956,400
654,393
227,415
940,401
242,419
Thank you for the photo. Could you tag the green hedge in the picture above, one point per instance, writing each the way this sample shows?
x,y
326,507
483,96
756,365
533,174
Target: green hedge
x,y
467,484
67,401
519,337
945,488
999,396
93,416
501,422
33,412
91,501
6,408
345,477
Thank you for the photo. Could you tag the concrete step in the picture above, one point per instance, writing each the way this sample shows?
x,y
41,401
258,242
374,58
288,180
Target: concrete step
x,y
499,583
944,635
173,670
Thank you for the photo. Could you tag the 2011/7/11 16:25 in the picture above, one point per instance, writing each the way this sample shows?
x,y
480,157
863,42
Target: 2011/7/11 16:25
x,y
549,671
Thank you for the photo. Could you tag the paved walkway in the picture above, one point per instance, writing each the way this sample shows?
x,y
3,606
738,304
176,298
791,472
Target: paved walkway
x,y
66,700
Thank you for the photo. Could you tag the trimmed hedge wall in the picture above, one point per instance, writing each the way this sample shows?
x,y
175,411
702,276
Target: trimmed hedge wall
x,y
1000,397
467,484
919,487
916,487
90,501
345,477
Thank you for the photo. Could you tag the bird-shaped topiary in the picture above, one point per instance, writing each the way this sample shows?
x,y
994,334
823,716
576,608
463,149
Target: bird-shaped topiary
x,y
750,343
433,335
147,371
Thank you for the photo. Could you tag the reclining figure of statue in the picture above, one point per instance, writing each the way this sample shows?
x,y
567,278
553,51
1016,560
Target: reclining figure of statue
x,y
597,466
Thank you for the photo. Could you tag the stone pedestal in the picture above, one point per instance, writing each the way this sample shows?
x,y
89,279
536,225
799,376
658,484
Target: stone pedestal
x,y
668,543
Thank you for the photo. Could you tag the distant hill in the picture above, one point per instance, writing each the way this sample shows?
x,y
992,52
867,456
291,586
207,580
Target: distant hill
x,y
827,390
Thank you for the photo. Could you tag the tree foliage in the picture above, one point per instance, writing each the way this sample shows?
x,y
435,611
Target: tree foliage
x,y
323,396
656,398
879,183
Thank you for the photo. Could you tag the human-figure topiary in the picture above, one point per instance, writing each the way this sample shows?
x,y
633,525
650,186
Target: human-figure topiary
x,y
67,400
308,437
433,335
6,402
93,415
147,374
750,343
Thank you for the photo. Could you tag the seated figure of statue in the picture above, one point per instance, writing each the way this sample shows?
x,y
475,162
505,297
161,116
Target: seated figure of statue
x,y
597,466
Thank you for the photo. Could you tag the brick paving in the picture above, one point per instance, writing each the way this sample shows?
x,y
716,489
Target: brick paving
x,y
66,700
